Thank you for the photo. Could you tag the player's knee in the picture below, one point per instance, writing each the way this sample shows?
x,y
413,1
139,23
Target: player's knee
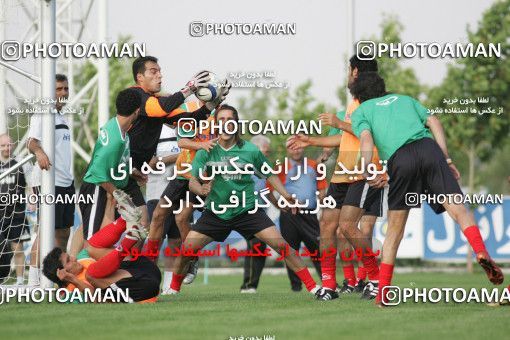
x,y
89,277
181,220
158,218
345,228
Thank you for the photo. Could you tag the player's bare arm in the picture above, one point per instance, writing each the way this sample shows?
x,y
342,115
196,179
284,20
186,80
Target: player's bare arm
x,y
302,141
330,119
42,159
200,189
186,143
437,130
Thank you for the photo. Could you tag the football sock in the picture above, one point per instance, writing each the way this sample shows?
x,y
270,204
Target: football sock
x,y
108,264
349,274
306,278
475,239
385,275
177,281
328,268
107,236
362,272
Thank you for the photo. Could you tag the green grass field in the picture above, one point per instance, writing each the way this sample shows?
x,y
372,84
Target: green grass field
x,y
218,311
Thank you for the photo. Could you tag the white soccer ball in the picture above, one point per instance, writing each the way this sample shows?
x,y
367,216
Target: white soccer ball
x,y
212,91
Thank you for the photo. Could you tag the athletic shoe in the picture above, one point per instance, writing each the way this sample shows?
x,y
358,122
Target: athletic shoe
x,y
192,272
370,291
136,232
346,288
169,291
492,270
248,291
126,208
326,294
360,285
316,290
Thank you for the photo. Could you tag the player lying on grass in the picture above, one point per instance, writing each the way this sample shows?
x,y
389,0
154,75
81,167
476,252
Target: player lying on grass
x,y
401,129
217,226
101,266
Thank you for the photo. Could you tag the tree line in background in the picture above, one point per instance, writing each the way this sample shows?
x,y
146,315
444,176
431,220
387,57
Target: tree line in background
x,y
479,144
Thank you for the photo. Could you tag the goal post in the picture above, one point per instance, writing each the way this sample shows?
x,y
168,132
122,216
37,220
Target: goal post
x,y
47,217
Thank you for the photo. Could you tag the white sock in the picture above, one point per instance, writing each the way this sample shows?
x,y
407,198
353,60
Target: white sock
x,y
19,280
33,276
167,279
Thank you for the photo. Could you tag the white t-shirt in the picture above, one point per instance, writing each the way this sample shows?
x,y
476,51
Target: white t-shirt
x,y
167,146
62,162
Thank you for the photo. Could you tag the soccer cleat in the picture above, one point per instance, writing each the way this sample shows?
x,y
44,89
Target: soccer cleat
x,y
370,291
316,290
492,270
346,288
126,208
326,294
360,285
248,291
192,272
136,232
169,291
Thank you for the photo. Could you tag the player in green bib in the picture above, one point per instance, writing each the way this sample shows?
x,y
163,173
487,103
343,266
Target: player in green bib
x,y
108,170
217,222
402,130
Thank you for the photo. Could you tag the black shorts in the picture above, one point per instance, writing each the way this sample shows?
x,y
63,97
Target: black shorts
x,y
358,194
300,228
12,230
144,281
416,168
176,191
245,224
134,191
171,230
64,212
92,213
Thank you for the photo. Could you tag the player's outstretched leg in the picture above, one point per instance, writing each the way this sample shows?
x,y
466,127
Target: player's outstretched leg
x,y
157,228
274,239
467,223
346,258
109,263
107,236
367,229
183,223
396,224
328,249
349,219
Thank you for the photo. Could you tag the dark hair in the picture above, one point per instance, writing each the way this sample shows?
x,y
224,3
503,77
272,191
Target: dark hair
x,y
51,264
139,65
237,136
368,85
60,77
365,64
127,102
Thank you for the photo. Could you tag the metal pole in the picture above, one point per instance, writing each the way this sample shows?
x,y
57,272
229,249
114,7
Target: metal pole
x,y
102,65
70,78
20,71
3,104
47,219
